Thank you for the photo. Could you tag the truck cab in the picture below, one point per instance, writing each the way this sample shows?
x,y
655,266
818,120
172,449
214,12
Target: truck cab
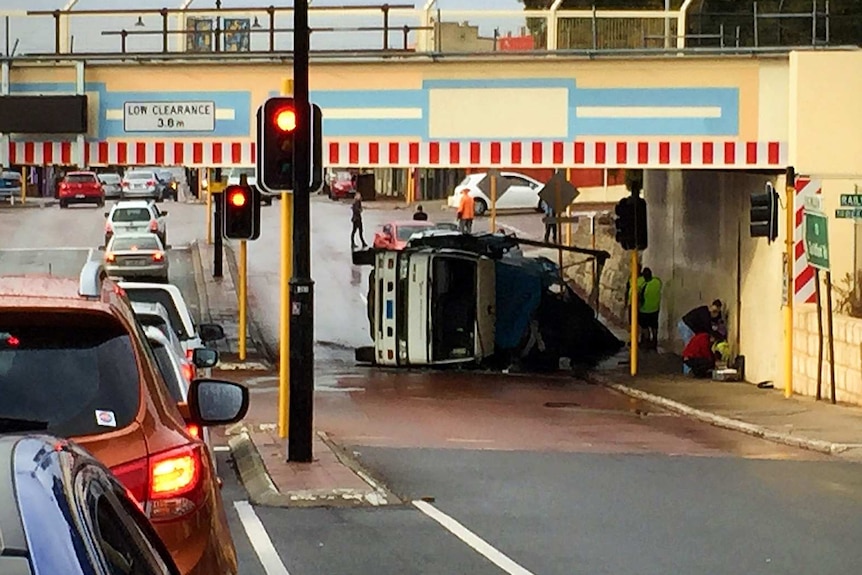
x,y
432,307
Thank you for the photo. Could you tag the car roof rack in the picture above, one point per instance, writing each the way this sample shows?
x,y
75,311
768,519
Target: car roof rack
x,y
90,281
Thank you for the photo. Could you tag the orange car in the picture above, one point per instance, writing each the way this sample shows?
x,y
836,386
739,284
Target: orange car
x,y
75,363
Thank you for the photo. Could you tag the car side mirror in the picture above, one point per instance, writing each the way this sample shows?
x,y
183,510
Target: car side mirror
x,y
210,332
107,214
215,402
163,213
204,357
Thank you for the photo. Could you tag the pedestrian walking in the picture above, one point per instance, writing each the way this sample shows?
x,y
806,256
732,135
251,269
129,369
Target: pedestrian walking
x,y
550,226
466,213
356,219
650,306
419,214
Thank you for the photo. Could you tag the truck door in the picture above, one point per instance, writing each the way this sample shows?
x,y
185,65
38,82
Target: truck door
x,y
486,302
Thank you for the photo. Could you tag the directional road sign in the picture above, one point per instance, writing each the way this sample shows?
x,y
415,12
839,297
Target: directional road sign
x,y
503,184
817,240
559,192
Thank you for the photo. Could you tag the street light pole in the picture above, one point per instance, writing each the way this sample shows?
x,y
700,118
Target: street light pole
x,y
300,425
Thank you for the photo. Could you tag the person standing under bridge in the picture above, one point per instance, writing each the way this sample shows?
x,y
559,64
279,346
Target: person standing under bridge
x,y
466,213
356,220
649,298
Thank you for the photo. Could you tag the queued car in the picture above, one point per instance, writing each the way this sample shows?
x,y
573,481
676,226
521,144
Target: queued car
x,y
155,315
341,185
81,188
139,256
141,184
136,217
10,184
62,511
523,193
394,235
74,362
112,184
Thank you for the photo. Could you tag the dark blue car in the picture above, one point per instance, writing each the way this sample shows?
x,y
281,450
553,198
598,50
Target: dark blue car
x,y
61,511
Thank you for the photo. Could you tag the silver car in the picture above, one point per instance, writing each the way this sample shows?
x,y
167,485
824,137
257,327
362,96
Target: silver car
x,y
141,184
136,256
112,184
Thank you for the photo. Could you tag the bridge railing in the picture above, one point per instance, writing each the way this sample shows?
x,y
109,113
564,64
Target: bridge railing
x,y
376,29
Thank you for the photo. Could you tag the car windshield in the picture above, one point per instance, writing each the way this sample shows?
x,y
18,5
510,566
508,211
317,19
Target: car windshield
x,y
404,232
167,370
155,295
80,179
125,243
110,178
139,175
77,372
131,215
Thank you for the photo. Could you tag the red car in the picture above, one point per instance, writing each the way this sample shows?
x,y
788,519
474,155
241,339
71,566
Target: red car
x,y
341,185
394,235
81,188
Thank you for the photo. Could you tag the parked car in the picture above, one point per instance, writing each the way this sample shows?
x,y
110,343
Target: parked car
x,y
64,512
341,185
74,361
141,184
394,235
233,179
112,184
137,256
135,217
192,336
10,184
155,315
81,188
523,193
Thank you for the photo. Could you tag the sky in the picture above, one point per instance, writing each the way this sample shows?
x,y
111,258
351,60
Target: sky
x,y
36,34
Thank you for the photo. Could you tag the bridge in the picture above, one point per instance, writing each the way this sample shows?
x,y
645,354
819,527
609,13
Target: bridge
x,y
422,106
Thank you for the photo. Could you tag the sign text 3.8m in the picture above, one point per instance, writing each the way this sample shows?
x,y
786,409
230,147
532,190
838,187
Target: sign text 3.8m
x,y
169,116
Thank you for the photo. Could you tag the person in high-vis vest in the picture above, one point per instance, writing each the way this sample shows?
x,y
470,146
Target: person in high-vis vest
x,y
650,307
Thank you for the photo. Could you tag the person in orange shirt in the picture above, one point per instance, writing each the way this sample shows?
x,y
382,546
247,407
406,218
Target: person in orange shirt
x,y
465,213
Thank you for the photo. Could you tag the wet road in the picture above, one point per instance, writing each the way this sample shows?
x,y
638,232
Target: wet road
x,y
524,475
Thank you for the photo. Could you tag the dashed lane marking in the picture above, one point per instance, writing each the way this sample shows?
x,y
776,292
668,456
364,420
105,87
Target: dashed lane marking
x,y
221,448
471,539
259,539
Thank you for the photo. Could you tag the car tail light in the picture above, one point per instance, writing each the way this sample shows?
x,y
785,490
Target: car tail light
x,y
108,228
158,256
194,430
190,354
169,483
154,226
124,184
189,371
151,183
109,257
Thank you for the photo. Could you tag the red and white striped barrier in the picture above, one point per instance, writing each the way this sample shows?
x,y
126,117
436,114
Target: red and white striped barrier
x,y
804,286
450,154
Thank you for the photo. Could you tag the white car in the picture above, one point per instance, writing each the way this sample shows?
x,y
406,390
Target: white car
x,y
140,184
522,194
140,256
170,296
233,179
136,217
155,315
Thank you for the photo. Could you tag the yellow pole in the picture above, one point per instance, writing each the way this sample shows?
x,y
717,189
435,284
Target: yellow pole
x,y
284,287
24,184
209,206
788,306
569,212
634,313
243,297
493,222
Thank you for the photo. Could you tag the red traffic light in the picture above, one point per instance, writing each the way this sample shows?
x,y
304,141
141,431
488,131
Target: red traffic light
x,y
237,199
285,119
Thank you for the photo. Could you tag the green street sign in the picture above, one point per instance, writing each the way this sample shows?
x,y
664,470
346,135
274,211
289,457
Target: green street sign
x,y
817,240
851,200
848,213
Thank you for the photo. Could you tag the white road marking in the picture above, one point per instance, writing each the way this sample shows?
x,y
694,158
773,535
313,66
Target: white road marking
x,y
259,538
471,539
364,298
221,448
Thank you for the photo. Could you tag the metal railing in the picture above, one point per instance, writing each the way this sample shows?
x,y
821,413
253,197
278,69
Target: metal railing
x,y
397,29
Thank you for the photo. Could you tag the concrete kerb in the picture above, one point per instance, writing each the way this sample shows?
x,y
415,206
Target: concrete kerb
x,y
262,490
200,282
762,432
254,329
31,203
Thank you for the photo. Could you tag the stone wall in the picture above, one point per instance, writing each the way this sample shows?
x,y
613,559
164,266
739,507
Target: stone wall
x,y
612,282
847,332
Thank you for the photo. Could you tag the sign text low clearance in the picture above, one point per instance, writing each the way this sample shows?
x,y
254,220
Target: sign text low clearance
x,y
169,116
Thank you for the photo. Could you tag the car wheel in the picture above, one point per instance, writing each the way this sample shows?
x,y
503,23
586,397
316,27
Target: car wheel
x,y
480,207
63,204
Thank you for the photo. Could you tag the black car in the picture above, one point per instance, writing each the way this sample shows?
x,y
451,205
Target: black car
x,y
61,511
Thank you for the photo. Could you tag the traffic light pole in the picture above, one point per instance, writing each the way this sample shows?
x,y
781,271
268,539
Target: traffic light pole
x,y
218,200
633,292
300,425
790,188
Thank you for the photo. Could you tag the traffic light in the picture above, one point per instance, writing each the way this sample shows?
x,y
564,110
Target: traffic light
x,y
275,146
631,223
764,214
241,213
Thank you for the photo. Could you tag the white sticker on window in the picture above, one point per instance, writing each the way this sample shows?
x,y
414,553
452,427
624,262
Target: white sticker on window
x,y
106,418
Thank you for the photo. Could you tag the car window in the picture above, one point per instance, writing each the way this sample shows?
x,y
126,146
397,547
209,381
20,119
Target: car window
x,y
155,321
80,179
139,175
387,229
516,181
132,215
75,371
123,243
110,178
149,295
404,232
167,370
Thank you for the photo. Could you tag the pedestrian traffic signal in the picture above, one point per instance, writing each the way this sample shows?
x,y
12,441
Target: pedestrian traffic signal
x,y
241,213
631,223
275,144
764,214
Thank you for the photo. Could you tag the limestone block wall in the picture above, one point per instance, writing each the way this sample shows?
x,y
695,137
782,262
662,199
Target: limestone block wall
x,y
848,356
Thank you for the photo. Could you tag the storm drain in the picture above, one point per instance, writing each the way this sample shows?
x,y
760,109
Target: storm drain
x,y
638,412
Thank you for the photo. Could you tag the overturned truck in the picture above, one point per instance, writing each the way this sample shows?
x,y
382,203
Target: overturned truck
x,y
450,298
